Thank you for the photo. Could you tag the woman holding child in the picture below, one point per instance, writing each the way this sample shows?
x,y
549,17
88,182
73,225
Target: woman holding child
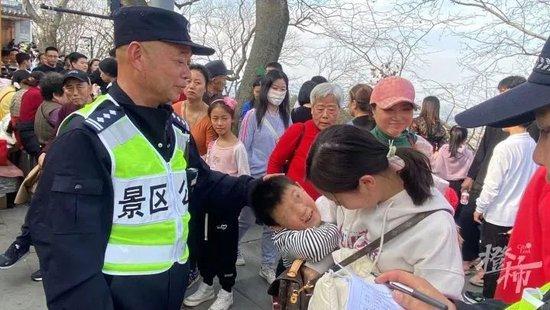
x,y
376,188
293,146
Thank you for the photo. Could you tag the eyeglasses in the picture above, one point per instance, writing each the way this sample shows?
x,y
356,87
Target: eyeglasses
x,y
330,109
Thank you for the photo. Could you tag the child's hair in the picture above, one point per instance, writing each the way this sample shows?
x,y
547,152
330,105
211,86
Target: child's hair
x,y
266,195
227,103
457,137
342,154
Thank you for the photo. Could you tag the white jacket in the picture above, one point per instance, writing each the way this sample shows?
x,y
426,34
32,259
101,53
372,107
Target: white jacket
x,y
429,250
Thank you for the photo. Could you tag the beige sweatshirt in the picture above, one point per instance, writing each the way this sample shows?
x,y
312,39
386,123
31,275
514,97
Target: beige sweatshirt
x,y
429,250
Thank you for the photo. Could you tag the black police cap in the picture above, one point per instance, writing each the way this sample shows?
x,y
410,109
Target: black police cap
x,y
145,23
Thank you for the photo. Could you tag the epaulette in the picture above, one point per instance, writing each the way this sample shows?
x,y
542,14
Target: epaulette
x,y
180,123
106,114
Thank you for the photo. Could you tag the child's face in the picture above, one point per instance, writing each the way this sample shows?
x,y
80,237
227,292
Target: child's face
x,y
297,210
221,120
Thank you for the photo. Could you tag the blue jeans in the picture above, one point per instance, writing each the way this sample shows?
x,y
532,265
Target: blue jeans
x,y
270,255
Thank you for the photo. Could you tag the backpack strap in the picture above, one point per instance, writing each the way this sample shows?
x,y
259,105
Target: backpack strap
x,y
401,228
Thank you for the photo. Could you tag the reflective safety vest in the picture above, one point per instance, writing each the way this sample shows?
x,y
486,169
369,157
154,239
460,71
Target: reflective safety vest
x,y
150,216
532,299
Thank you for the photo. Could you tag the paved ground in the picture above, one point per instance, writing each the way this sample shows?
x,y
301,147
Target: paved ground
x,y
20,293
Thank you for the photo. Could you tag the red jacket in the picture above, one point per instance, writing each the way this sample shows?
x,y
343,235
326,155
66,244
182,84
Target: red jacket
x,y
30,102
293,147
529,245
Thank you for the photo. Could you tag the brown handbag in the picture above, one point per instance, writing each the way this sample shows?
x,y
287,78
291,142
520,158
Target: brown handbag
x,y
293,289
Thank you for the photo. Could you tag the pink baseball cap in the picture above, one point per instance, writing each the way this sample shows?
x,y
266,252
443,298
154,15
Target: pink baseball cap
x,y
391,91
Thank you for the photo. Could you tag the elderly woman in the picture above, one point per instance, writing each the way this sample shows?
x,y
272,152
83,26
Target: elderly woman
x,y
293,146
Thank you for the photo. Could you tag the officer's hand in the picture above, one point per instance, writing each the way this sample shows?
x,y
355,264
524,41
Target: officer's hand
x,y
478,217
417,283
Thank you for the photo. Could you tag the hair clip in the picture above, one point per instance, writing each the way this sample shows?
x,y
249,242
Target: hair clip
x,y
396,162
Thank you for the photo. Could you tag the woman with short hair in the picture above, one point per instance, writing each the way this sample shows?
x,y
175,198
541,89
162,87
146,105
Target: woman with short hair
x,y
292,149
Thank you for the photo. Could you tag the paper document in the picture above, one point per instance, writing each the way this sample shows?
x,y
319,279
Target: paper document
x,y
369,296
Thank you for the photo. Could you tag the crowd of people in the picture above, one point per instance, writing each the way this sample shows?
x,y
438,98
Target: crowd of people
x,y
103,217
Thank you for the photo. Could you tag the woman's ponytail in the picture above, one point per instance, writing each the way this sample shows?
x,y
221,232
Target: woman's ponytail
x,y
416,175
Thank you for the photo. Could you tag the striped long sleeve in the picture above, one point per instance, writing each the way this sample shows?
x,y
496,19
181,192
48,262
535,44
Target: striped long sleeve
x,y
312,244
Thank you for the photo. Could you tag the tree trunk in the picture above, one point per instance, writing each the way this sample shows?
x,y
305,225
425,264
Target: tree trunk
x,y
272,19
49,27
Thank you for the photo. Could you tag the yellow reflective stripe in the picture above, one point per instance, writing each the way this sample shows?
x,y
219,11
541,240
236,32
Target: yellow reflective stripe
x,y
89,108
178,162
162,233
136,158
185,221
85,111
136,268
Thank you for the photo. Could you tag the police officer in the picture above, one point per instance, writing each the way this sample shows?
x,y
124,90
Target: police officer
x,y
110,217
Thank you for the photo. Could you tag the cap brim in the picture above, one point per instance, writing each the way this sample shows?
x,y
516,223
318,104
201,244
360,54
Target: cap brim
x,y
514,107
76,78
395,100
197,49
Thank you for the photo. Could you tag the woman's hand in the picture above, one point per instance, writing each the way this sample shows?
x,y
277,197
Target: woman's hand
x,y
416,283
467,184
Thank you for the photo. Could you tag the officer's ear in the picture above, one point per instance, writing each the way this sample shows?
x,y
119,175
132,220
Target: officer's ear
x,y
135,55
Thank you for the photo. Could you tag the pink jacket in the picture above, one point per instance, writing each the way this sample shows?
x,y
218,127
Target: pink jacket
x,y
452,168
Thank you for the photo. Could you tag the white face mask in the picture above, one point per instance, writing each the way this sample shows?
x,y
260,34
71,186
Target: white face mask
x,y
276,97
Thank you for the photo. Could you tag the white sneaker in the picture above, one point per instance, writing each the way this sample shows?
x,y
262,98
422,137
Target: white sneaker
x,y
223,302
268,274
204,292
240,259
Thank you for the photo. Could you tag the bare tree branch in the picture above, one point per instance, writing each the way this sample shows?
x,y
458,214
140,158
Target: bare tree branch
x,y
186,3
495,11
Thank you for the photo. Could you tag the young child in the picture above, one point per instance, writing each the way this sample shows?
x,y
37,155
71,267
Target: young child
x,y
291,213
218,249
508,174
452,161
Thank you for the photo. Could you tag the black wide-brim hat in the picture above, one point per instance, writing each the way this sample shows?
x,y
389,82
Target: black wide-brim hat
x,y
145,23
516,106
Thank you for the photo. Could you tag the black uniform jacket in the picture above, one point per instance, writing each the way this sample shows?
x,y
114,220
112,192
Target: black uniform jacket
x,y
71,213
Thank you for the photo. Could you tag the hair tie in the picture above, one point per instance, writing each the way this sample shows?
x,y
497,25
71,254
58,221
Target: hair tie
x,y
230,102
396,162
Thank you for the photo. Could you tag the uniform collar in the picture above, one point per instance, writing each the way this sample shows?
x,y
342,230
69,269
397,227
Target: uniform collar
x,y
121,97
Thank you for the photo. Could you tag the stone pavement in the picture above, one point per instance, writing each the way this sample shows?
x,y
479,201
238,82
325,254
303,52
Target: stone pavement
x,y
19,292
